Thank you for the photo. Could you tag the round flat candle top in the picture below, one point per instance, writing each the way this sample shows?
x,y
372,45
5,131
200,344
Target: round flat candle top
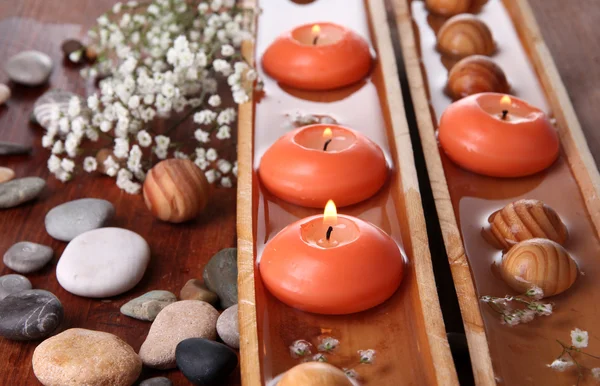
x,y
498,135
357,268
320,56
312,164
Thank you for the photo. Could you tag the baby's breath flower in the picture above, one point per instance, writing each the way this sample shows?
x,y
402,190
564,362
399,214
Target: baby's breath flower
x,y
67,165
319,358
300,348
214,100
227,50
560,365
90,164
224,166
144,139
511,319
53,163
535,292
202,136
328,344
350,373
224,132
111,166
162,142
160,152
226,182
180,155
367,356
211,175
596,373
579,338
211,154
544,309
57,148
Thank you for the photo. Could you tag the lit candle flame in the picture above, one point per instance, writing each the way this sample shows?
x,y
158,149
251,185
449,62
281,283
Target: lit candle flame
x,y
330,213
327,133
316,30
506,101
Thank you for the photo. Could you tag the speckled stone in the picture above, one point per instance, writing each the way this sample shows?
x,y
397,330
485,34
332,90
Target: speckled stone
x,y
147,306
67,221
26,257
158,381
227,327
176,322
78,357
13,283
31,68
29,315
19,191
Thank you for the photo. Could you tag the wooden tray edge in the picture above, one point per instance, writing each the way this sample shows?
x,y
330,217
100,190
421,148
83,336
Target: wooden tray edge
x,y
445,371
465,289
248,327
573,144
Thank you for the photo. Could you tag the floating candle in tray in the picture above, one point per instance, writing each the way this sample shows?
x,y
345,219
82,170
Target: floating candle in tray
x,y
330,264
312,164
497,135
319,56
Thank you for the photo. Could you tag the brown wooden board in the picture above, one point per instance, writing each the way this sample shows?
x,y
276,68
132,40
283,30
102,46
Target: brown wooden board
x,y
407,330
500,354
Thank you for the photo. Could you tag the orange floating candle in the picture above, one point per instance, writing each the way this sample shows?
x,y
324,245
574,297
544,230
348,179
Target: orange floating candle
x,y
499,136
319,56
330,264
315,163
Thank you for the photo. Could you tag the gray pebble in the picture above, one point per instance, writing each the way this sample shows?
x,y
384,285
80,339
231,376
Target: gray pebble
x,y
158,381
73,218
220,276
29,315
31,68
147,306
26,257
10,284
16,192
8,148
227,327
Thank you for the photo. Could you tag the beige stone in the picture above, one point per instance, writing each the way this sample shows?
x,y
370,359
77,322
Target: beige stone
x,y
4,93
194,289
6,174
79,357
176,322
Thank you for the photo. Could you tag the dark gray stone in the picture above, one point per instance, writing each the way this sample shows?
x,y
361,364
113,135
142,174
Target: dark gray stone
x,y
26,257
31,68
10,284
158,381
204,362
69,220
16,192
147,306
30,315
8,148
220,276
227,327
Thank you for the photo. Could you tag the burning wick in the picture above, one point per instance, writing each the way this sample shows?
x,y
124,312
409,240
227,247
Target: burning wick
x,y
316,30
327,135
505,101
329,217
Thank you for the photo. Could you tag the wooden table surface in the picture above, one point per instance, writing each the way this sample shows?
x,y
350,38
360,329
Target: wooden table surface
x,y
180,251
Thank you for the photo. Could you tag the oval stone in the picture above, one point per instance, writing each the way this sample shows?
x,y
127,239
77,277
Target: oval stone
x,y
78,357
66,221
147,306
204,362
31,68
103,262
220,276
227,327
10,284
26,257
29,315
16,192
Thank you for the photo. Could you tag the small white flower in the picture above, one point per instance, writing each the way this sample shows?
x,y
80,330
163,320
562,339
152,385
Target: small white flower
x,y
202,8
235,169
560,365
222,66
57,148
134,102
162,142
160,152
224,166
328,344
105,126
144,139
90,164
224,132
202,163
251,75
117,7
226,182
367,356
211,175
579,338
202,136
240,97
211,154
67,164
74,108
544,309
535,293
226,116
47,141
111,166
205,117
227,50
511,319
76,56
527,316
121,148
596,373
53,163
180,155
300,348
319,358
214,100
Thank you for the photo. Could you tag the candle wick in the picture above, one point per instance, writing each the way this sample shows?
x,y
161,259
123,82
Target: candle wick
x,y
326,144
315,40
504,114
328,235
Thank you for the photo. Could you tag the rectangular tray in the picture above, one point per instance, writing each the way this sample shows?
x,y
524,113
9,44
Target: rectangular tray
x,y
575,174
407,330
